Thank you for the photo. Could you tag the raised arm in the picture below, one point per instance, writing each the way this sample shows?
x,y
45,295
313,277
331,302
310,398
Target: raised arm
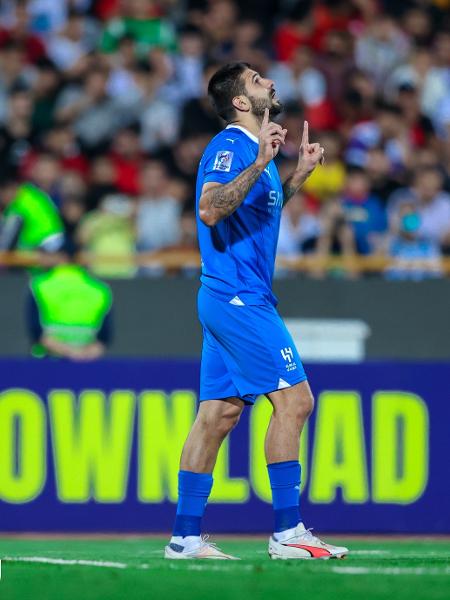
x,y
219,201
309,156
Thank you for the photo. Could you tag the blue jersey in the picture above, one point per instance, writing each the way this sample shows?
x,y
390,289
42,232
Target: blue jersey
x,y
238,254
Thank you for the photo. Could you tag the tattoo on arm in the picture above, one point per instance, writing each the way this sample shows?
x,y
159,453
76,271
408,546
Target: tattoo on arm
x,y
289,189
221,201
291,186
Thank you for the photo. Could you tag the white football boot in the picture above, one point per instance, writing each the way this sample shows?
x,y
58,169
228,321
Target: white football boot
x,y
301,543
193,547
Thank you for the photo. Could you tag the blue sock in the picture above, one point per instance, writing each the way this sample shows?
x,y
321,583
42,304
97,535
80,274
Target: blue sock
x,y
193,492
285,483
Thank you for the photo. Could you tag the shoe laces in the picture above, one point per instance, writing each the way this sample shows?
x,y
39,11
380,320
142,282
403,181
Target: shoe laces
x,y
206,542
310,537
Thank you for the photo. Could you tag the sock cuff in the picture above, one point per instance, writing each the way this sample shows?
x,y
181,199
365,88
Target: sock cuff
x,y
194,484
283,464
285,474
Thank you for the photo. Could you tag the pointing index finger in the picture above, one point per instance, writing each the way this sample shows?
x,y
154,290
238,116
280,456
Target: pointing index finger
x,y
305,136
265,118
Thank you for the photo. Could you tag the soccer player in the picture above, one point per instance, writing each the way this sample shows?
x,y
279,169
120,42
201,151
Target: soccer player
x,y
247,350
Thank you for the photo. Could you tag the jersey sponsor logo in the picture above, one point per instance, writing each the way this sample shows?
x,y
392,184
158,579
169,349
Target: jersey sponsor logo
x,y
223,160
275,200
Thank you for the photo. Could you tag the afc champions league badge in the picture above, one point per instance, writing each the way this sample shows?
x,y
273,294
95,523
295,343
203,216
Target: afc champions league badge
x,y
223,160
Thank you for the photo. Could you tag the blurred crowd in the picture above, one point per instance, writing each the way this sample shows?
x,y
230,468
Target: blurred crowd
x,y
103,106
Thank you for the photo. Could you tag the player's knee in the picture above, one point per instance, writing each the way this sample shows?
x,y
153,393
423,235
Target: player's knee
x,y
228,420
221,421
305,406
299,407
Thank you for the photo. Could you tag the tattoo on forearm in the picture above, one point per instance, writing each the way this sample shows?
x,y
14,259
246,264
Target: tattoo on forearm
x,y
291,187
223,200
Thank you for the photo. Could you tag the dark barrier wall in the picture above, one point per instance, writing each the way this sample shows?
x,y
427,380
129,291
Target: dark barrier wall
x,y
157,317
96,447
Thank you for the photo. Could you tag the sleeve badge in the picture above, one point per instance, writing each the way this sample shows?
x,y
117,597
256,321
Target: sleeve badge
x,y
223,160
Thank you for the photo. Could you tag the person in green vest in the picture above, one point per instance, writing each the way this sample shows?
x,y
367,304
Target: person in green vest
x,y
142,24
30,220
69,313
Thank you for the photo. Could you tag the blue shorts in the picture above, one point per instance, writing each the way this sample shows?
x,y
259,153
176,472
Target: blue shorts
x,y
247,350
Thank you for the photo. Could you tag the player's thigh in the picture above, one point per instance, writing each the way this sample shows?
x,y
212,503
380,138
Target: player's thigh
x,y
215,379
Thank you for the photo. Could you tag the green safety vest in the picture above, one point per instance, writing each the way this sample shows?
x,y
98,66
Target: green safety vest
x,y
71,303
40,216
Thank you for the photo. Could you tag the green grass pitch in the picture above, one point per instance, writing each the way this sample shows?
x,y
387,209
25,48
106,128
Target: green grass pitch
x,y
132,568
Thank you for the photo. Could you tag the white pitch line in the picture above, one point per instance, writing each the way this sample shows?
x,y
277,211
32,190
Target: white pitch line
x,y
369,552
208,565
66,562
390,570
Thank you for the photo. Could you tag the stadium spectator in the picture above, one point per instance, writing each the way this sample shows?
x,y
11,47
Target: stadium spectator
x,y
72,207
45,90
90,90
159,119
327,180
292,119
68,47
44,171
158,215
389,131
248,45
299,79
128,159
30,220
432,205
415,256
182,162
363,211
420,73
107,234
353,223
421,130
382,181
102,181
141,21
308,24
186,81
19,32
94,114
60,141
381,48
69,314
219,24
336,63
47,16
299,228
16,135
14,74
198,116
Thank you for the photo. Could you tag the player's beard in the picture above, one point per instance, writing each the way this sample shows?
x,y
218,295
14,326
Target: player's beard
x,y
259,105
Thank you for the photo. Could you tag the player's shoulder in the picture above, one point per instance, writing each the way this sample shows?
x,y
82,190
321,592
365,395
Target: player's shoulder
x,y
229,147
229,138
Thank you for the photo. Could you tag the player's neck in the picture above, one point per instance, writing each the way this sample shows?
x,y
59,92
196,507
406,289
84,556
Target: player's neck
x,y
250,123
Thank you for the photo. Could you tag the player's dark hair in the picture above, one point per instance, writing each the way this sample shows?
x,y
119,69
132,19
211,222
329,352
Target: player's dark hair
x,y
224,85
